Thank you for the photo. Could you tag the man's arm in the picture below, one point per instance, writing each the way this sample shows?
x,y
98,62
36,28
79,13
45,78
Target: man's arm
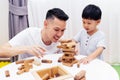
x,y
7,50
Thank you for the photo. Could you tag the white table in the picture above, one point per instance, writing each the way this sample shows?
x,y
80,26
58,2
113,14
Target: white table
x,y
95,70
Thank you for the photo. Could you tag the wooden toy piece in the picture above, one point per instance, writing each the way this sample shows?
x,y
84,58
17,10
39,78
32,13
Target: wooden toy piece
x,y
67,45
53,73
19,62
21,67
65,41
7,74
25,67
20,71
60,59
68,48
67,64
75,61
80,75
22,61
45,77
78,64
37,62
46,61
29,60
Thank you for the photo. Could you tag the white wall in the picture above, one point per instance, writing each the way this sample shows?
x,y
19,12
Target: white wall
x,y
3,21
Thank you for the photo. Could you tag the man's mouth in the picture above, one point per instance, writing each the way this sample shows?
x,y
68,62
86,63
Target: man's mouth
x,y
56,38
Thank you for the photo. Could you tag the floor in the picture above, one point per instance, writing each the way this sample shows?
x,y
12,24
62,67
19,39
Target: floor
x,y
117,68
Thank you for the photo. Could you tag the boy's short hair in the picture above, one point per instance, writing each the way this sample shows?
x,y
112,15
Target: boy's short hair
x,y
58,13
92,12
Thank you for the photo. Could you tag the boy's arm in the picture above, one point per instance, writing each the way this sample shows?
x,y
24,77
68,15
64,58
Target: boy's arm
x,y
92,56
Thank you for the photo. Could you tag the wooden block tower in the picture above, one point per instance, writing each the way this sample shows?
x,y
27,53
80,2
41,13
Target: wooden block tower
x,y
68,48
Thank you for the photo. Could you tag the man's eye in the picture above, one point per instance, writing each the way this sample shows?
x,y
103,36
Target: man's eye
x,y
63,30
56,29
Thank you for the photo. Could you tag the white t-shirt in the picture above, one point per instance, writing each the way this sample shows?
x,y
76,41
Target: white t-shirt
x,y
32,36
89,44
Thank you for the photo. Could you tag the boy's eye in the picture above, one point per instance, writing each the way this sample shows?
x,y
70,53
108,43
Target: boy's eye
x,y
83,22
89,23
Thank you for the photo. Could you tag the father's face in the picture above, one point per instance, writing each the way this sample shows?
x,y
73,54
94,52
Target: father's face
x,y
55,29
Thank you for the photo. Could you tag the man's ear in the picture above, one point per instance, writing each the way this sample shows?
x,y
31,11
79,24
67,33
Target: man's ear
x,y
45,23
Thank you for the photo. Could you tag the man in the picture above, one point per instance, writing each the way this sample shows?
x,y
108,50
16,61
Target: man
x,y
37,41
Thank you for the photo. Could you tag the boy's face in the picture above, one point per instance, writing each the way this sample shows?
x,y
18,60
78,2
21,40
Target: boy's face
x,y
90,25
55,29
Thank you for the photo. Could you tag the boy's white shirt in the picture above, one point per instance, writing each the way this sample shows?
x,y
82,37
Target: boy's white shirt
x,y
32,36
89,44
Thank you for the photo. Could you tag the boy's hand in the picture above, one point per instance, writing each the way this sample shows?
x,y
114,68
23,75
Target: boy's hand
x,y
85,60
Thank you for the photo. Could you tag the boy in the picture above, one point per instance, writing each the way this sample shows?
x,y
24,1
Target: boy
x,y
92,40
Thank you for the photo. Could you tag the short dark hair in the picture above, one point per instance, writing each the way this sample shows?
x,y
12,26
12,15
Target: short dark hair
x,y
58,13
92,12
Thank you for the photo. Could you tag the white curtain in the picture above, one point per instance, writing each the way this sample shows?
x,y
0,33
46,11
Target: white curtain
x,y
110,23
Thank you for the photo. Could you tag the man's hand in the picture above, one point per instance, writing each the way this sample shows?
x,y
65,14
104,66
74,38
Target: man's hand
x,y
36,50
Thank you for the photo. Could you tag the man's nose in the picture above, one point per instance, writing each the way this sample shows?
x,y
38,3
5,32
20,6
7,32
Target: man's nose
x,y
60,33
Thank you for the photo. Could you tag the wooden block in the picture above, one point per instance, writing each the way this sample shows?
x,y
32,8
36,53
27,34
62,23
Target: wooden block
x,y
19,62
7,74
37,62
29,60
67,64
80,75
22,61
20,71
46,61
21,67
69,50
65,41
60,59
78,64
45,77
75,61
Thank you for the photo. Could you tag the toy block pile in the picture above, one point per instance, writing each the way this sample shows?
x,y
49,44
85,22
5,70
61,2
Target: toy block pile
x,y
68,48
26,65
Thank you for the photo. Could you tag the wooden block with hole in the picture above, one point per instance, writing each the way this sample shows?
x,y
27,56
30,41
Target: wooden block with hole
x,y
53,73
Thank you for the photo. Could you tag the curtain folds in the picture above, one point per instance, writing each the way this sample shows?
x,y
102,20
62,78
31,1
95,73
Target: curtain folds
x,y
18,17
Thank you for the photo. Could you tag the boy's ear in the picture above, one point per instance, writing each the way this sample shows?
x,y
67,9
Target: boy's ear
x,y
98,21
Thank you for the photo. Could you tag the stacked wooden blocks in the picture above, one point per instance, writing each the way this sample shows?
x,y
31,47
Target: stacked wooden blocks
x,y
68,48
